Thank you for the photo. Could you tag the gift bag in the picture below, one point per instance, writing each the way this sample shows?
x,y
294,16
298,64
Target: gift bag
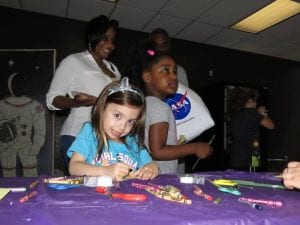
x,y
191,114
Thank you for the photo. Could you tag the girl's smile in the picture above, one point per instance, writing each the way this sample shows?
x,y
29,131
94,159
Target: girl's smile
x,y
106,45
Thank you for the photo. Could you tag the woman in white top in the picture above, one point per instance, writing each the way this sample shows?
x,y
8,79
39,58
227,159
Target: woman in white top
x,y
80,78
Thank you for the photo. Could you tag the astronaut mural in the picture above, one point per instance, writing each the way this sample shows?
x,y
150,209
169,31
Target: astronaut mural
x,y
22,131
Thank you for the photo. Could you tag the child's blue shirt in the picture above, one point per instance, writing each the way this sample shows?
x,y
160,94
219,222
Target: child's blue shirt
x,y
86,144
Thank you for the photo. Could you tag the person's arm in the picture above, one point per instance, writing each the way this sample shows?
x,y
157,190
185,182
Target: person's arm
x,y
58,96
80,99
161,151
291,175
266,122
78,167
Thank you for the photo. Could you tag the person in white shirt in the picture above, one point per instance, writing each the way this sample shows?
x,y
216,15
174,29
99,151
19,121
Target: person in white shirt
x,y
81,77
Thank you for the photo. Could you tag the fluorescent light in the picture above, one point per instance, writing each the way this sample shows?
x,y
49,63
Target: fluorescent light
x,y
271,14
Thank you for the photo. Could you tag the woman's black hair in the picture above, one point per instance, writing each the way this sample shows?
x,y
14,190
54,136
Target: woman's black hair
x,y
96,30
142,56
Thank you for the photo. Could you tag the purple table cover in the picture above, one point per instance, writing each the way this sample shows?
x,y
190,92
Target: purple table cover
x,y
83,205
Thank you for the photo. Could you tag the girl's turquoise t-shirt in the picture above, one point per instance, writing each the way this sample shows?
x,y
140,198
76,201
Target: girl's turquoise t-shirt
x,y
86,144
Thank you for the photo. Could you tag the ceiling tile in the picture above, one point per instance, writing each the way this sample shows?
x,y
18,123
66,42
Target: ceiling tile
x,y
199,32
260,41
88,9
188,9
50,7
287,30
172,24
10,3
227,38
124,14
282,49
153,5
292,53
257,44
227,12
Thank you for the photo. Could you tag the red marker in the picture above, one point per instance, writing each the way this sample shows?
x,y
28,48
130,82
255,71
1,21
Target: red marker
x,y
130,197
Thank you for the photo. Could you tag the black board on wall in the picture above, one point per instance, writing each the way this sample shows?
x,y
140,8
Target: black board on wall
x,y
27,72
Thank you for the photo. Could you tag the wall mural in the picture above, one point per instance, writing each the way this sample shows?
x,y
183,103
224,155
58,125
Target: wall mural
x,y
27,127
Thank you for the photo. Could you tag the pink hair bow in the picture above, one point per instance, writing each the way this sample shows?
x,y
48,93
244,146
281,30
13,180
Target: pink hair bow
x,y
150,52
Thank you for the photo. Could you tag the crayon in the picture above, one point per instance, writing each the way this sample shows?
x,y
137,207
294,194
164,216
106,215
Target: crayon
x,y
33,184
199,192
28,196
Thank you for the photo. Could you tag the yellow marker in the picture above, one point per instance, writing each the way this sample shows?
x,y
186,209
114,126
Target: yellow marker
x,y
224,182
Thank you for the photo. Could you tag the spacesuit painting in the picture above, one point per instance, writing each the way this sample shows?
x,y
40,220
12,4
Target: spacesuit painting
x,y
22,133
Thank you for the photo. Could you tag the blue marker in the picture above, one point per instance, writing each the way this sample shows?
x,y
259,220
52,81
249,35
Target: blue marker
x,y
253,205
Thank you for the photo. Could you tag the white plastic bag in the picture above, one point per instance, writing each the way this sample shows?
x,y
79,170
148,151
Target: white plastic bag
x,y
191,114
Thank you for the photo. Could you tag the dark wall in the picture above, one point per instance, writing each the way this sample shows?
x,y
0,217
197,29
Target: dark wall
x,y
21,29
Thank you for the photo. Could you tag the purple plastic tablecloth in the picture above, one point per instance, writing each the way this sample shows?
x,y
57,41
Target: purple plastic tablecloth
x,y
83,205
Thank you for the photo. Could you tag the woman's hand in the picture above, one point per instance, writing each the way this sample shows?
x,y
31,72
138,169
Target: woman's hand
x,y
83,99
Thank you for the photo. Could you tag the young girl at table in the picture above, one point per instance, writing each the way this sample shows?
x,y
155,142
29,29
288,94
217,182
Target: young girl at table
x,y
112,143
155,74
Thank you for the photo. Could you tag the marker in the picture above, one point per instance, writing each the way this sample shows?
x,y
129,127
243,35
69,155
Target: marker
x,y
28,196
17,189
130,197
270,203
253,205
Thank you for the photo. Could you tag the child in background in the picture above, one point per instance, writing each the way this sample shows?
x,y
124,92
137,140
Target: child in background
x,y
155,74
112,143
245,122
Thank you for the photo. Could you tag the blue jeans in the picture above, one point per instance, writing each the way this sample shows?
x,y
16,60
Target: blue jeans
x,y
65,143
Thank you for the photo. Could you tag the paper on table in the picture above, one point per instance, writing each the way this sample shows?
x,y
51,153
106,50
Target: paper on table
x,y
4,192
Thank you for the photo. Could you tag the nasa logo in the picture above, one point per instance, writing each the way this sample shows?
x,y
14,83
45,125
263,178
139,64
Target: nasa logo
x,y
180,105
